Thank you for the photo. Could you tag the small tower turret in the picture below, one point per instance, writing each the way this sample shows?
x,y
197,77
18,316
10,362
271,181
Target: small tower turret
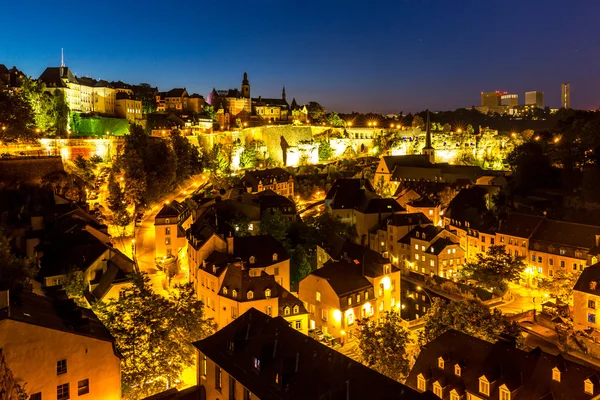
x,y
246,86
428,150
283,94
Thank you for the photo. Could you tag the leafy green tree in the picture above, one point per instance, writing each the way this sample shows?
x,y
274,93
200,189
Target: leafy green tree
x,y
41,103
383,345
210,112
469,130
80,162
9,387
299,264
61,113
122,219
315,110
154,334
15,272
160,163
532,167
561,285
116,198
241,224
146,94
468,316
446,127
75,286
334,119
495,267
188,157
219,162
248,158
324,150
418,122
325,226
16,117
95,159
276,225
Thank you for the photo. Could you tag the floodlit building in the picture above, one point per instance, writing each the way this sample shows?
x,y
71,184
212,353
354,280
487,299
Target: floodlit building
x,y
128,107
276,179
510,100
61,351
586,300
534,98
259,357
491,99
170,225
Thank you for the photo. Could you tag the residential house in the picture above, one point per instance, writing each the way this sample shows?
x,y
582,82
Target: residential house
x,y
431,250
276,179
384,237
586,300
9,78
176,99
271,110
341,292
61,351
170,225
432,209
128,107
356,204
457,366
260,357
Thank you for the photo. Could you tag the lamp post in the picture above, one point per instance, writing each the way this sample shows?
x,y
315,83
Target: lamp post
x,y
133,249
420,289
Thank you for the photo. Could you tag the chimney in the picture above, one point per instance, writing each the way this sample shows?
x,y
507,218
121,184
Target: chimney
x,y
230,244
4,299
597,240
297,361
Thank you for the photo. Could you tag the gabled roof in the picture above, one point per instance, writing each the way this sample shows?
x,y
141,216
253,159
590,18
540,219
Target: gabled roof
x,y
305,368
407,219
566,233
589,280
417,160
261,247
172,209
53,77
423,202
520,225
344,277
239,279
260,101
266,176
427,233
439,245
177,92
528,373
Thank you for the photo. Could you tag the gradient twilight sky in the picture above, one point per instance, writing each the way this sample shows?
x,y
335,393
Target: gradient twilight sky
x,y
380,55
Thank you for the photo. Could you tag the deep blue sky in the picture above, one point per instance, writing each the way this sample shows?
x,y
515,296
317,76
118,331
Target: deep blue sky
x,y
383,56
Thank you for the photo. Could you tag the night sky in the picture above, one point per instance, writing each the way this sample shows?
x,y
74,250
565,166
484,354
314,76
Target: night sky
x,y
382,56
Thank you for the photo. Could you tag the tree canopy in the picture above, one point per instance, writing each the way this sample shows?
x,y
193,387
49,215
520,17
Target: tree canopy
x,y
383,345
468,316
495,267
16,273
154,334
560,285
9,387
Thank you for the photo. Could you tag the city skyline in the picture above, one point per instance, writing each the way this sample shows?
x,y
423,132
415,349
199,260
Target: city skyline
x,y
388,58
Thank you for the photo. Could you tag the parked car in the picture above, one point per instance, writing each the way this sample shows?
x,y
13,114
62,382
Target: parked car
x,y
316,334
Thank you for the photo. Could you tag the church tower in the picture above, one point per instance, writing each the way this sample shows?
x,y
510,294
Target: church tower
x,y
283,95
246,86
428,150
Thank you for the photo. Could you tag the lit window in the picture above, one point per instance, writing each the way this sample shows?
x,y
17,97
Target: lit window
x,y
366,295
454,396
393,301
349,300
457,370
256,364
358,298
252,259
318,296
286,311
555,374
484,387
296,309
504,394
421,383
224,290
416,247
268,310
268,293
233,293
250,295
437,389
275,257
440,363
588,386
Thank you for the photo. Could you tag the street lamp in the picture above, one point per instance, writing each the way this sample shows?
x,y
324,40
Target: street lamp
x,y
133,248
420,289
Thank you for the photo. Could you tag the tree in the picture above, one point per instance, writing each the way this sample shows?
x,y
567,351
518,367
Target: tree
x,y
469,130
154,333
495,267
16,273
276,225
75,286
248,157
188,158
80,162
324,150
146,94
210,112
116,198
61,113
16,117
315,110
122,219
468,316
9,387
532,167
382,346
219,162
299,264
561,285
334,119
41,103
135,178
418,122
446,127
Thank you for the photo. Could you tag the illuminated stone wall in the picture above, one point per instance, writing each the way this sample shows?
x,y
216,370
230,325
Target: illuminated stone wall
x,y
29,169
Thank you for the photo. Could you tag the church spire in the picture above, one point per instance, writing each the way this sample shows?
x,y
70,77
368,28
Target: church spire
x,y
428,150
283,94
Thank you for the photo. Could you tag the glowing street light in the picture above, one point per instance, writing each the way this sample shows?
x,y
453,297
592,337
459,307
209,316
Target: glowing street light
x,y
459,130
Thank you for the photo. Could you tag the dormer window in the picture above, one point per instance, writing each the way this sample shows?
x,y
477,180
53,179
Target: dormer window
x,y
256,364
386,269
588,387
457,370
555,374
563,252
234,293
167,221
286,311
250,295
268,293
252,260
296,309
224,290
418,235
593,285
504,393
275,256
437,389
484,386
421,386
214,269
440,363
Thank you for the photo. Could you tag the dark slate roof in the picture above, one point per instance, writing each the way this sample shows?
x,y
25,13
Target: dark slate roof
x,y
76,249
86,81
3,69
177,92
270,102
270,199
112,275
306,368
566,234
56,312
191,393
408,219
125,96
340,249
370,203
422,202
267,176
429,232
173,209
520,225
262,247
530,373
589,275
53,76
359,195
416,160
344,277
239,279
439,245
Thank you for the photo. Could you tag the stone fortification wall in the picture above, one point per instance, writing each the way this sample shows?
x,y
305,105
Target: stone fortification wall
x,y
29,169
